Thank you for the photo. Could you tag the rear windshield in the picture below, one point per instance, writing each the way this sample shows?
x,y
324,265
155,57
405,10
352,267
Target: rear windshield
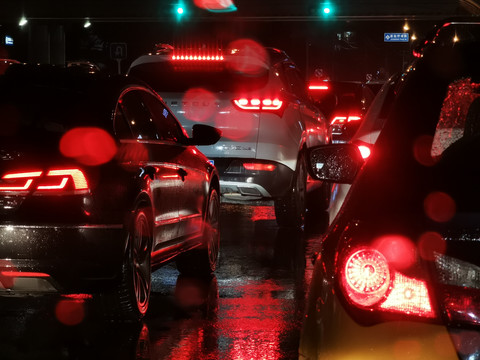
x,y
166,76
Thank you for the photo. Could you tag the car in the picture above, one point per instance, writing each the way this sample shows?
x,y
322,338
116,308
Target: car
x,y
344,103
365,137
396,275
258,98
99,186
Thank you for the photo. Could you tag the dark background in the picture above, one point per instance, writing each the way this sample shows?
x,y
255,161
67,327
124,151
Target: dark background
x,y
348,44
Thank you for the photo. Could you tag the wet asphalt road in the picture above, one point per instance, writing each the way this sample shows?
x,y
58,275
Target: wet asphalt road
x,y
251,309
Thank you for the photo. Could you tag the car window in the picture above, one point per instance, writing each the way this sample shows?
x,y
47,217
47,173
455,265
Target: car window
x,y
295,81
459,115
167,126
120,125
138,116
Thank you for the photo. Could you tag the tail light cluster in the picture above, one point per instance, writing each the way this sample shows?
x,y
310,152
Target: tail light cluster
x,y
369,282
257,104
343,119
54,180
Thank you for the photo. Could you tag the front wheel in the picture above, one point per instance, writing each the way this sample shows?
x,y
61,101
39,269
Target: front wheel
x,y
204,260
290,209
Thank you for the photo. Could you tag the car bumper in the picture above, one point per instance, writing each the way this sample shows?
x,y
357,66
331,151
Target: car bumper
x,y
59,258
237,183
337,336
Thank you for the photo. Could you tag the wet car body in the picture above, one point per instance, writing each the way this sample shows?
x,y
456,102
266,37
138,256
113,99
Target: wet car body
x,y
261,153
396,273
99,184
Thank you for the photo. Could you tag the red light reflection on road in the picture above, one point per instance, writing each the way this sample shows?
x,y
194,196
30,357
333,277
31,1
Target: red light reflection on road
x,y
70,312
199,104
88,145
430,243
407,349
397,249
253,322
250,57
263,213
439,206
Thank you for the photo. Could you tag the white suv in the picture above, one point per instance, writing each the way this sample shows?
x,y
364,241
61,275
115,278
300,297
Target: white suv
x,y
266,117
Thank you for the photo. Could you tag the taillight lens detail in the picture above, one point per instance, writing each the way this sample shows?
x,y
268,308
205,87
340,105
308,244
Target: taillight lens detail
x,y
259,167
55,179
366,277
369,282
269,104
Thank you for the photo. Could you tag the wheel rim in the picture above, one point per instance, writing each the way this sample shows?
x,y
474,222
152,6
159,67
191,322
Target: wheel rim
x,y
141,262
213,234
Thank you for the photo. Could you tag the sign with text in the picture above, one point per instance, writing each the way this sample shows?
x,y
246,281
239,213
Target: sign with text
x,y
118,51
396,37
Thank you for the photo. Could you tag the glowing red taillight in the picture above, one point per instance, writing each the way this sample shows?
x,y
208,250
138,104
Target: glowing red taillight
x,y
52,180
269,104
343,119
259,167
369,282
318,87
365,151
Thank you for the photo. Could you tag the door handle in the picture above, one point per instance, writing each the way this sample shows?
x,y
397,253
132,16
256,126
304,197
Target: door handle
x,y
182,173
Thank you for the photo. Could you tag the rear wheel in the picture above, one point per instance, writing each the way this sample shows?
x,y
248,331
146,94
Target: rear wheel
x,y
204,260
130,299
290,209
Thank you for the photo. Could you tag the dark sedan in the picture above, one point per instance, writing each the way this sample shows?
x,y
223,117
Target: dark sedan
x,y
397,274
99,184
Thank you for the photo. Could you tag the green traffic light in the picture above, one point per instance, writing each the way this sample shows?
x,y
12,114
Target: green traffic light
x,y
326,9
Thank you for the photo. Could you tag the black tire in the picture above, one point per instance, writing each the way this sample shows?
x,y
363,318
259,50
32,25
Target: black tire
x,y
290,209
130,300
204,260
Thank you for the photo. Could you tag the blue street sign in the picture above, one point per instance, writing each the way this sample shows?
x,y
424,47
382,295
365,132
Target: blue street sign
x,y
8,40
396,37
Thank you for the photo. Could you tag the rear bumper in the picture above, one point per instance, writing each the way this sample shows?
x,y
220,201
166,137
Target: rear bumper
x,y
60,258
237,183
330,333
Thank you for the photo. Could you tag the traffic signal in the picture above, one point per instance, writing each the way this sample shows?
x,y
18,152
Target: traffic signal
x,y
180,11
327,9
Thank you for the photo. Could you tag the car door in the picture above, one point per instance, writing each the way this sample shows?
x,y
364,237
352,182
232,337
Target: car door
x,y
314,122
189,172
154,159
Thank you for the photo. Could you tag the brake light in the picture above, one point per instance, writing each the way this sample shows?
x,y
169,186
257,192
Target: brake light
x,y
318,87
55,179
198,57
268,104
364,151
340,119
369,282
259,167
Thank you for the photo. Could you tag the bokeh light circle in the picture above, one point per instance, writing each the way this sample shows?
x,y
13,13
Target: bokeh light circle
x,y
70,312
430,243
439,206
199,104
249,57
399,250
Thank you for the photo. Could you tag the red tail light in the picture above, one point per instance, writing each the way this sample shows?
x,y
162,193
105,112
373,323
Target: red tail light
x,y
342,119
255,104
53,180
365,151
368,281
318,87
259,167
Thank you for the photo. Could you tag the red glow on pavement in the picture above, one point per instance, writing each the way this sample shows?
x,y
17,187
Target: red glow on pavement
x,y
397,249
429,243
70,312
439,206
199,104
88,145
263,213
422,150
250,57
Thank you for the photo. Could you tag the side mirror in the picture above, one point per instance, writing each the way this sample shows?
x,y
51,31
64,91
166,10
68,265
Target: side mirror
x,y
204,135
338,163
